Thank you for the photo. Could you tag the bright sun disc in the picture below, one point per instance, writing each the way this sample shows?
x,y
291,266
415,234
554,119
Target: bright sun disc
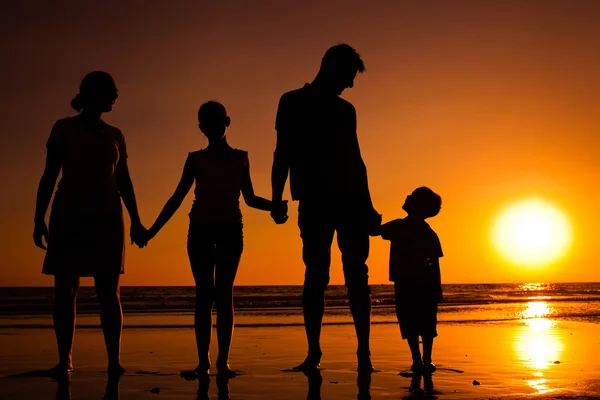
x,y
531,233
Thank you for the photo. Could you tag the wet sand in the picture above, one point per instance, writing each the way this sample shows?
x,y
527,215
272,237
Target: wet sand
x,y
527,359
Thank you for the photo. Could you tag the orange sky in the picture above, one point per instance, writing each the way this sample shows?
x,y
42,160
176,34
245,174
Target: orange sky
x,y
485,102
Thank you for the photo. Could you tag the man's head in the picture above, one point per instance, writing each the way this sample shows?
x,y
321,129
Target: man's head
x,y
423,203
339,67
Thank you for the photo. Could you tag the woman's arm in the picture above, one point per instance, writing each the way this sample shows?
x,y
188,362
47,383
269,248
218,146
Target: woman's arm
x,y
251,199
44,194
128,195
172,205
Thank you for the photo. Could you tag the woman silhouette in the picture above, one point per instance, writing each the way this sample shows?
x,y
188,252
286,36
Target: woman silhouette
x,y
86,236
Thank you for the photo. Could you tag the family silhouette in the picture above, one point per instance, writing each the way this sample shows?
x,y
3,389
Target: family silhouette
x,y
317,148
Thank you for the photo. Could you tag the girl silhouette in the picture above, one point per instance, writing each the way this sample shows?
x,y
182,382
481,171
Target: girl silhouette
x,y
215,239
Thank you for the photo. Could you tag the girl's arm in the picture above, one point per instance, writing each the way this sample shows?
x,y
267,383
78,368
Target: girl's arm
x,y
44,194
183,188
250,198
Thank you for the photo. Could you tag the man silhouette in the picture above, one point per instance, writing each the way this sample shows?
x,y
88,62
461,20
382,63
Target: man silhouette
x,y
318,145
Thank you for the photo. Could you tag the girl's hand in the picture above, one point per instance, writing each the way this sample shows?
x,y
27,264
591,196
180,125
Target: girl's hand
x,y
40,230
139,235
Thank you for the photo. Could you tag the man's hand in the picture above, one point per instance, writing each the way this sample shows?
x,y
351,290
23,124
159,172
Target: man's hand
x,y
279,212
374,223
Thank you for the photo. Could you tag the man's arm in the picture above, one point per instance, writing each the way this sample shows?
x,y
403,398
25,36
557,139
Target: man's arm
x,y
361,176
281,164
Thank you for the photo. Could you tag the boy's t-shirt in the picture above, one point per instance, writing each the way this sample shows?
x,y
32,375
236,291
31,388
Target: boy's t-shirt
x,y
413,245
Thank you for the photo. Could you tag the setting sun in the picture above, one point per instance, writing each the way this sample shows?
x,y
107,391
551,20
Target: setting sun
x,y
531,233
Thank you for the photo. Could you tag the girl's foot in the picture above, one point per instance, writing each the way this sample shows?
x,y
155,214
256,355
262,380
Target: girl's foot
x,y
115,369
224,370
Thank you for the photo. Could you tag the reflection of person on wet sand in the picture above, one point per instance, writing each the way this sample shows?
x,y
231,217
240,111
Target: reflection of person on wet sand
x,y
86,234
63,392
215,238
204,386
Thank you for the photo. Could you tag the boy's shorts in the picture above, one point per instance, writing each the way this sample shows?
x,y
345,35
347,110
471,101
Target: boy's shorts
x,y
416,309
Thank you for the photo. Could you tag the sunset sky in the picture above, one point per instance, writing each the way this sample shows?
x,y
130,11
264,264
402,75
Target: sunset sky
x,y
486,102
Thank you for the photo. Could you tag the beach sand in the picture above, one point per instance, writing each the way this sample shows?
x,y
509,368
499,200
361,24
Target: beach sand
x,y
525,359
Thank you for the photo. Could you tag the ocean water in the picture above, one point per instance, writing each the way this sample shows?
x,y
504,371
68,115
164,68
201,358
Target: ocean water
x,y
170,306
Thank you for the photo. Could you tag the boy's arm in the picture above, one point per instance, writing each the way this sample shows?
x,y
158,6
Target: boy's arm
x,y
435,263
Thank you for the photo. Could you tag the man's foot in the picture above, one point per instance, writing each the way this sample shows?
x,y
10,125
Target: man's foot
x,y
365,365
429,367
116,369
311,362
417,367
60,369
201,371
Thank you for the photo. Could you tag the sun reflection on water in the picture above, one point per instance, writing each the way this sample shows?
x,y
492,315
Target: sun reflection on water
x,y
537,344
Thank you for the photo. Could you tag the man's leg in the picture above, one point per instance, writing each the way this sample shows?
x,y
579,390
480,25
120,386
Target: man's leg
x,y
354,245
316,232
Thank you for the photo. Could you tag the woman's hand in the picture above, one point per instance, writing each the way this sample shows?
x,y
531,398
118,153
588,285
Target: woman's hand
x,y
139,235
40,230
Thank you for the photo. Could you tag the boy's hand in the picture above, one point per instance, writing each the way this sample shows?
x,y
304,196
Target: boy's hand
x,y
375,224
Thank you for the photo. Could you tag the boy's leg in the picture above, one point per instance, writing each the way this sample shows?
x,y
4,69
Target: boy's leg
x,y
405,313
427,349
415,352
316,231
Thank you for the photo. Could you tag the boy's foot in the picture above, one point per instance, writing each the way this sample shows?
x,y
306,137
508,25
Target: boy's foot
x,y
417,367
311,362
365,365
429,367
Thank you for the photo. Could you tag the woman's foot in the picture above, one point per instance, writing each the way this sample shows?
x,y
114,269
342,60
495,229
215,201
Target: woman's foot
x,y
311,362
115,369
224,370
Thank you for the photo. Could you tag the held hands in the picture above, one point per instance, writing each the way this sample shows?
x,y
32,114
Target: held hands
x,y
40,230
374,223
139,235
279,212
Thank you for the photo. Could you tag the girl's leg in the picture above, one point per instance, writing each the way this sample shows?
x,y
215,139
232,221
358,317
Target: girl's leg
x,y
65,298
111,318
201,252
229,252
